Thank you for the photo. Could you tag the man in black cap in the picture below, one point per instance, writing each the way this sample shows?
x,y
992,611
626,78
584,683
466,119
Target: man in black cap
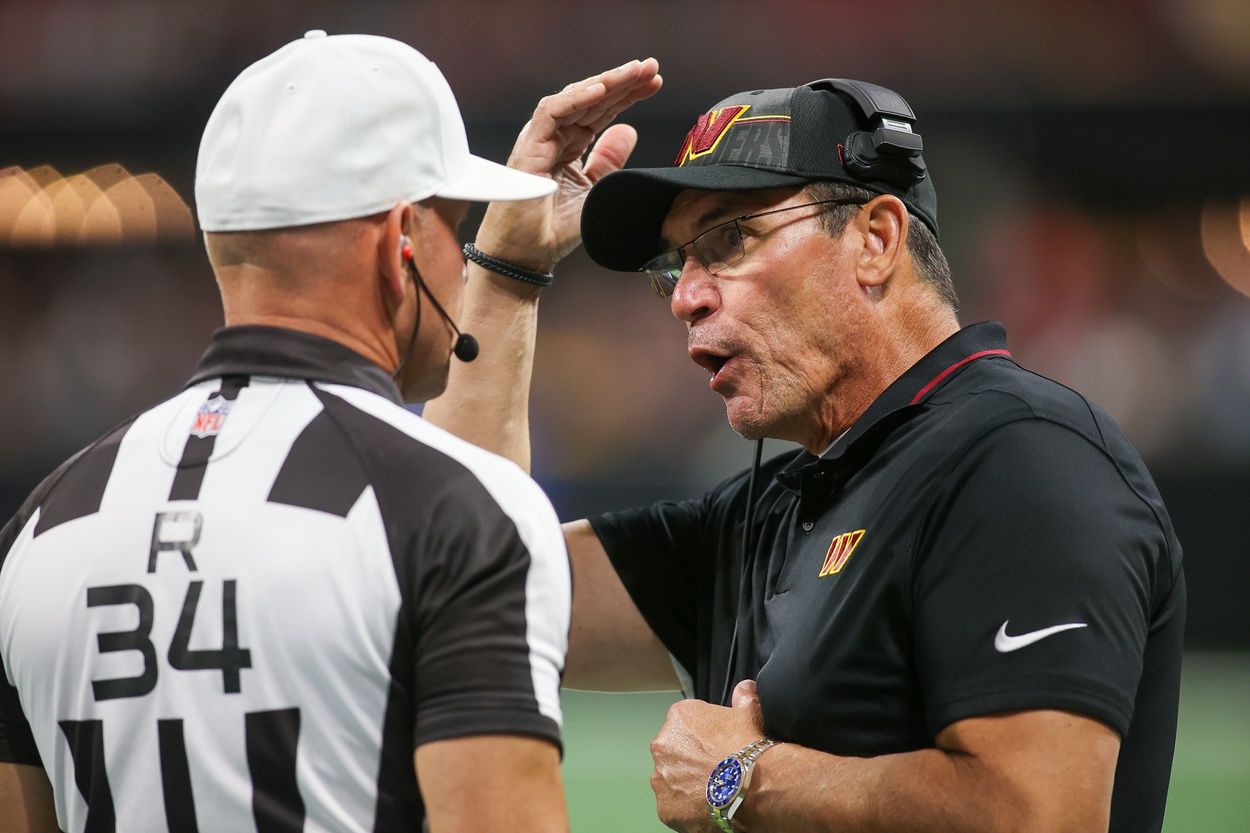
x,y
959,606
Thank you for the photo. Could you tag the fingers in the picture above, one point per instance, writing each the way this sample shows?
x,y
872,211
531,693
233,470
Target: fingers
x,y
746,698
589,101
565,124
640,84
635,95
611,152
746,695
565,105
627,76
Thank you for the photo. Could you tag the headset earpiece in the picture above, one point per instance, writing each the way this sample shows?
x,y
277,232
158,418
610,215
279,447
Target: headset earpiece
x,y
890,149
466,346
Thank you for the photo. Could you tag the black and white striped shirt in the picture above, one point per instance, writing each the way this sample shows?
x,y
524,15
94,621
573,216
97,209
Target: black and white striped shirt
x,y
244,608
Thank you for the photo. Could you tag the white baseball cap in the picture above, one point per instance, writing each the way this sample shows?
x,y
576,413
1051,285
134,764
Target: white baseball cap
x,y
332,128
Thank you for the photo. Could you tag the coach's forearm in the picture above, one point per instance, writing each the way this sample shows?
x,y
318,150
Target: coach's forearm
x,y
487,400
1026,789
928,791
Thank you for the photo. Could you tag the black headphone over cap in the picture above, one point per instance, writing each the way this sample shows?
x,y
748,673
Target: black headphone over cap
x,y
889,151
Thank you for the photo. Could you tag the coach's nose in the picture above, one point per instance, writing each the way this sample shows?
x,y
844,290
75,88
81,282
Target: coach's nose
x,y
696,295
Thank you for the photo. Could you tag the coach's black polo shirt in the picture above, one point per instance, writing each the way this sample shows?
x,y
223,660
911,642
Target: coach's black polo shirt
x,y
982,539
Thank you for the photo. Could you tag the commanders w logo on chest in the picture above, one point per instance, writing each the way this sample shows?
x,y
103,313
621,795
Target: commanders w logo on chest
x,y
840,552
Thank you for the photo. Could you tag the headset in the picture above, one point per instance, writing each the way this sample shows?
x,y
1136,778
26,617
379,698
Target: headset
x,y
466,347
889,150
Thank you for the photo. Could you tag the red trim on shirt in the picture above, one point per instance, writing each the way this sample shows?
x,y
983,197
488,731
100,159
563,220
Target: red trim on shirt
x,y
937,380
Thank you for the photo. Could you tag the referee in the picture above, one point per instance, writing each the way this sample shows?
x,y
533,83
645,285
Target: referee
x,y
958,605
278,601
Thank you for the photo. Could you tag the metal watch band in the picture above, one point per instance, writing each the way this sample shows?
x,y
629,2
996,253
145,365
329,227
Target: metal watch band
x,y
750,752
723,823
747,756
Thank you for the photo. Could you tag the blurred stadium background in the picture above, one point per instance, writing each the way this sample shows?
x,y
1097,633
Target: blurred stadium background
x,y
1095,196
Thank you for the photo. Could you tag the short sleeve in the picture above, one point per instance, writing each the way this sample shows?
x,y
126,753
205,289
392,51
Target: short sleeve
x,y
657,552
17,742
1033,580
491,617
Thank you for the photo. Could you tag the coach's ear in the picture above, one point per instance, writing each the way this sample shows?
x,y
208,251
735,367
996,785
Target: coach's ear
x,y
391,248
882,224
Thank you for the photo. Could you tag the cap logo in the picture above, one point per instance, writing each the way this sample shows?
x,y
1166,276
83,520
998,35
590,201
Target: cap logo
x,y
707,132
711,127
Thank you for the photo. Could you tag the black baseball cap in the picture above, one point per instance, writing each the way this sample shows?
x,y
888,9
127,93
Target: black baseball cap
x,y
830,130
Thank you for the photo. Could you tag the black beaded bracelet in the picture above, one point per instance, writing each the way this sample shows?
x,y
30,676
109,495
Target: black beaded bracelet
x,y
508,270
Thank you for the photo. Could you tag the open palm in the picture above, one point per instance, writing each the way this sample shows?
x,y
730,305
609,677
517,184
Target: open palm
x,y
537,234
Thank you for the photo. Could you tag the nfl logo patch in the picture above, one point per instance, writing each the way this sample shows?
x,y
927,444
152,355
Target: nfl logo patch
x,y
210,418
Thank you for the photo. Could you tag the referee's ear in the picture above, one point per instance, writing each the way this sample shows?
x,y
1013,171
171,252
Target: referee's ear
x,y
395,230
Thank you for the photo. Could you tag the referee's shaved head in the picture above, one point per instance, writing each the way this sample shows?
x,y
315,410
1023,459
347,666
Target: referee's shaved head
x,y
300,248
324,278
353,281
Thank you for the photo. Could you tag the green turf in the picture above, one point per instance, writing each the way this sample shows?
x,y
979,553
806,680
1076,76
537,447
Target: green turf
x,y
1211,772
607,763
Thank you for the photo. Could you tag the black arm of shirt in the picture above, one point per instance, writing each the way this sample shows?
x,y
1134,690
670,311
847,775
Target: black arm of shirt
x,y
680,561
657,553
1037,528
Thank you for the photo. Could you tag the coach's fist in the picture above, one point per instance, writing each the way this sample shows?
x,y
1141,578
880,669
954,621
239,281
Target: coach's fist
x,y
695,737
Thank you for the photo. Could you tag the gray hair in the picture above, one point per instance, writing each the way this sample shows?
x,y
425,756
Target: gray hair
x,y
922,246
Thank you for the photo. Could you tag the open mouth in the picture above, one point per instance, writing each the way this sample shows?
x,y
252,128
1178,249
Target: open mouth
x,y
710,361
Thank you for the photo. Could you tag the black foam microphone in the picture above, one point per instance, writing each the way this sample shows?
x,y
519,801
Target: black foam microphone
x,y
466,347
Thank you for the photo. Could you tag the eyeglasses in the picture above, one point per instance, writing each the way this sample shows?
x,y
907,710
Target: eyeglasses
x,y
719,248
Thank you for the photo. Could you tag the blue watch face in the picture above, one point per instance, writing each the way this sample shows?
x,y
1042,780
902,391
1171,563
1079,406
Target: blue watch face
x,y
724,783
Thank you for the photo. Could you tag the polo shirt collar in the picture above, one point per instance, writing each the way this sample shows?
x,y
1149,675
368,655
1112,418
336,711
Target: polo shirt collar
x,y
907,394
254,350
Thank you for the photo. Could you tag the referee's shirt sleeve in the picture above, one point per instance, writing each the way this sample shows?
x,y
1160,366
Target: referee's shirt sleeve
x,y
491,620
16,739
17,742
1036,530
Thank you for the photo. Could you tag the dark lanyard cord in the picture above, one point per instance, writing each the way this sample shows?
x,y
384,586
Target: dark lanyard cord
x,y
748,563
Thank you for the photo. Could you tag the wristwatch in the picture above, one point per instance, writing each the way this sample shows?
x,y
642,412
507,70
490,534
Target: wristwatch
x,y
727,785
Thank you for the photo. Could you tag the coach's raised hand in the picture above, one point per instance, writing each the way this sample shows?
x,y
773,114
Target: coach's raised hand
x,y
536,234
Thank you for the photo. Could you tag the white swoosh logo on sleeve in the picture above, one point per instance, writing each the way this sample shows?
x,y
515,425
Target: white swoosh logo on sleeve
x,y
1003,643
